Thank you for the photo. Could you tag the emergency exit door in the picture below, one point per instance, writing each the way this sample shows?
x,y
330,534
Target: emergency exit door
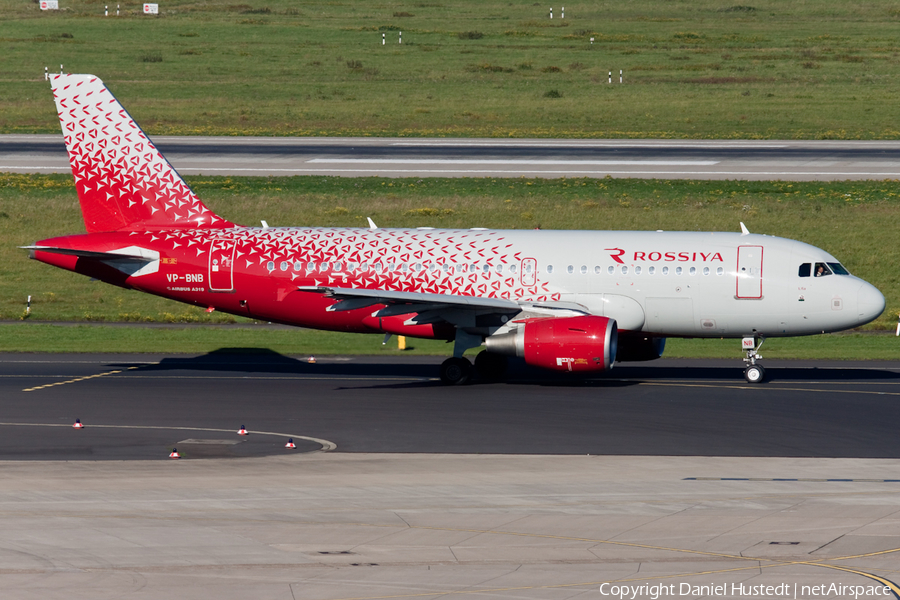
x,y
221,265
529,272
749,272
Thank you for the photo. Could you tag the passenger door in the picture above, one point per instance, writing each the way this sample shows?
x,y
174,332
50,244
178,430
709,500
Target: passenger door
x,y
749,272
221,265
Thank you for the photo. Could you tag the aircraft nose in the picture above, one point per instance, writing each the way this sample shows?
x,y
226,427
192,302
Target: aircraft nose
x,y
870,303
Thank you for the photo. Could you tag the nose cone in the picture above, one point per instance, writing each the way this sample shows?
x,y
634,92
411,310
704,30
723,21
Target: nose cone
x,y
870,303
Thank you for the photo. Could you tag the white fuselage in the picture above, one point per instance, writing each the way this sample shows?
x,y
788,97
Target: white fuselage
x,y
663,283
704,284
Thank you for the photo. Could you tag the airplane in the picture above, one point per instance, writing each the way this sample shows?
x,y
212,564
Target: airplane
x,y
571,301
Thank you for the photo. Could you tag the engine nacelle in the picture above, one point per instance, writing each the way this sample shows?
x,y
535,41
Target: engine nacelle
x,y
586,343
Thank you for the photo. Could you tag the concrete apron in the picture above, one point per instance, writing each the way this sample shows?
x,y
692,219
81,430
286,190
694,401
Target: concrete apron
x,y
330,526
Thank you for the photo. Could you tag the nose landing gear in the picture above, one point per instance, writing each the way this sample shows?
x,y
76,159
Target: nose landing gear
x,y
753,373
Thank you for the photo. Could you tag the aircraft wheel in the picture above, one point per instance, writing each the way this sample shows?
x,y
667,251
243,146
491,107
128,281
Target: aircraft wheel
x,y
455,371
491,366
754,374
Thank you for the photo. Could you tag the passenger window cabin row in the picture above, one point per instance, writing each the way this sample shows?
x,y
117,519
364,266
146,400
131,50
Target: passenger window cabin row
x,y
352,267
528,267
638,270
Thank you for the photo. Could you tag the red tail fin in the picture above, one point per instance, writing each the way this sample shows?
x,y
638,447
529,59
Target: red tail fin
x,y
123,182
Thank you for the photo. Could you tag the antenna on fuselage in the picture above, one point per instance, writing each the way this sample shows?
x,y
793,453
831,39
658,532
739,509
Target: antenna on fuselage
x,y
372,224
264,225
744,230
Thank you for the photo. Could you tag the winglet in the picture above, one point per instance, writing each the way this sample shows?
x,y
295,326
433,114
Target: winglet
x,y
372,224
744,230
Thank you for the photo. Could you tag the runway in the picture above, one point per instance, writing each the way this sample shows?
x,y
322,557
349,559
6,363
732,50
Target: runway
x,y
825,160
140,406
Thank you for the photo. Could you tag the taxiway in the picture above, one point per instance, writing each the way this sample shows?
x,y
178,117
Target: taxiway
x,y
403,488
148,403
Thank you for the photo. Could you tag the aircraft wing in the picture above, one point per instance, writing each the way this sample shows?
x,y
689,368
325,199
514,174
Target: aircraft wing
x,y
461,311
401,303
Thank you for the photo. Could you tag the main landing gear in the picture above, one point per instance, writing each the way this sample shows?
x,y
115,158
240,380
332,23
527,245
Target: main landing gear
x,y
753,373
456,371
488,365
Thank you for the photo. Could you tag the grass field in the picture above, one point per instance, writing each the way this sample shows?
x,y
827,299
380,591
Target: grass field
x,y
92,337
40,337
692,68
855,221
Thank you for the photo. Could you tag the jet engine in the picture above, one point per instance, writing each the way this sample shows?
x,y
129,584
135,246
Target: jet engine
x,y
587,343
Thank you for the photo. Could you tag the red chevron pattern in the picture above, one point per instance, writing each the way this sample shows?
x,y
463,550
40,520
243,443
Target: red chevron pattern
x,y
438,262
123,182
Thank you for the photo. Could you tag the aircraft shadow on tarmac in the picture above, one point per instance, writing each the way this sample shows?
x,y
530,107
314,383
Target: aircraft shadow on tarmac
x,y
265,361
425,368
422,369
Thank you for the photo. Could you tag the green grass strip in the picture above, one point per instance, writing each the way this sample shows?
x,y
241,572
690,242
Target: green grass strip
x,y
41,337
692,69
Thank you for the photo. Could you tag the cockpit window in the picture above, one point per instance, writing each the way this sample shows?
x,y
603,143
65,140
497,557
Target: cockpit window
x,y
838,269
805,269
822,270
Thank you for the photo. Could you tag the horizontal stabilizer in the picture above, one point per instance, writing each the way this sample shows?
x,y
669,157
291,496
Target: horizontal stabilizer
x,y
130,253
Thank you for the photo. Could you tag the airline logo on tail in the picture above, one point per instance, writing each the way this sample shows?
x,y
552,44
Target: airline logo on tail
x,y
123,182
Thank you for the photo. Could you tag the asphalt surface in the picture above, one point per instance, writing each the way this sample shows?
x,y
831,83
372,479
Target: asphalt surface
x,y
140,406
449,157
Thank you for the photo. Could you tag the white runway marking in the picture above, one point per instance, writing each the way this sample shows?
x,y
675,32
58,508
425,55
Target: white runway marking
x,y
61,165
538,174
493,161
188,166
575,144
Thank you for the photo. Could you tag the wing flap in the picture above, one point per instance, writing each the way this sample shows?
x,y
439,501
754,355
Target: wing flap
x,y
415,301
